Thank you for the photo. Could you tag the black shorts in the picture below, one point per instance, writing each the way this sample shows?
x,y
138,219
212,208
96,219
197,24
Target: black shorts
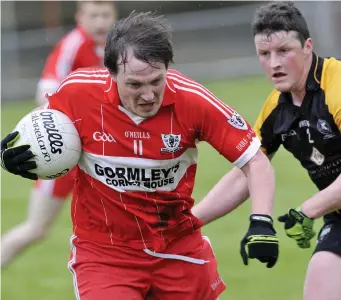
x,y
329,237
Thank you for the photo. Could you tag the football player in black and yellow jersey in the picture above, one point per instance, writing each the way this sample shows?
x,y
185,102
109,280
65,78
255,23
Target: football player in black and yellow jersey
x,y
303,114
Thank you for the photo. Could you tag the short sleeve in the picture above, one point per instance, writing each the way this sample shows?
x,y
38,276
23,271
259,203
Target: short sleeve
x,y
220,125
332,88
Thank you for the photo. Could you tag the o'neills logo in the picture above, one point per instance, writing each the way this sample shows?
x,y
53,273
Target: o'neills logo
x,y
53,135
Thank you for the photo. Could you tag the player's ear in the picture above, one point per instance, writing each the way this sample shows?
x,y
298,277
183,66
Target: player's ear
x,y
308,46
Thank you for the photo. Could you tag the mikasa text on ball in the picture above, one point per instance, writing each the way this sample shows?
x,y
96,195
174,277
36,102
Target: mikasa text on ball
x,y
54,141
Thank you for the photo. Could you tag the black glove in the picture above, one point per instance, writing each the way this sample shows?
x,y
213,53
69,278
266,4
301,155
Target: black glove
x,y
261,241
15,160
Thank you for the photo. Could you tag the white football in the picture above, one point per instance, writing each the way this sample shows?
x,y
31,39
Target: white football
x,y
54,141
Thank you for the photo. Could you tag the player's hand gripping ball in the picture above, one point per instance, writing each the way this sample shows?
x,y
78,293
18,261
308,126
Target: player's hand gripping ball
x,y
53,140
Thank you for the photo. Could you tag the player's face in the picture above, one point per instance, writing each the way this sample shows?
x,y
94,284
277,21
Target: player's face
x,y
141,86
283,59
96,19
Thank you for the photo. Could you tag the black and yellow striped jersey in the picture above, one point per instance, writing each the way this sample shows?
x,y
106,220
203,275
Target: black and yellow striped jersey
x,y
310,132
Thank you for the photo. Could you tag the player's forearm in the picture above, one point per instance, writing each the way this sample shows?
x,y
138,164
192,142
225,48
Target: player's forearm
x,y
323,202
261,183
226,195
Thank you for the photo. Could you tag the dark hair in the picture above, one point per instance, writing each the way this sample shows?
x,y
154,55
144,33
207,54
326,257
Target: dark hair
x,y
148,35
280,16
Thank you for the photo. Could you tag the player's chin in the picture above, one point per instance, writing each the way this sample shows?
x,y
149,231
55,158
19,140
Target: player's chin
x,y
148,111
283,87
148,114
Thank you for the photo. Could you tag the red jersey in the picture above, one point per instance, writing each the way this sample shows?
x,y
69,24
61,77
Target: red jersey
x,y
75,50
136,175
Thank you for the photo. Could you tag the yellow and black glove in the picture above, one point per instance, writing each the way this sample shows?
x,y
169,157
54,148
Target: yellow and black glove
x,y
261,241
298,227
16,160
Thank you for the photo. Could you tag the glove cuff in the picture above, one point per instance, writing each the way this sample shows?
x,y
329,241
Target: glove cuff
x,y
298,215
261,218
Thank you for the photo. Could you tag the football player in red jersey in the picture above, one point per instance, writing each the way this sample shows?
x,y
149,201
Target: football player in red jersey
x,y
81,47
134,235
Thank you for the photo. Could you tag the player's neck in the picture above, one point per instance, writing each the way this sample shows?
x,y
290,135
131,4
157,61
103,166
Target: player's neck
x,y
298,96
300,90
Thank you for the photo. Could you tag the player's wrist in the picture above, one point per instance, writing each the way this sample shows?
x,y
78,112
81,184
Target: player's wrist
x,y
300,213
309,212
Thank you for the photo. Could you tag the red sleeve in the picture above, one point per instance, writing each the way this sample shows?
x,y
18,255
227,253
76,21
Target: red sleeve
x,y
227,132
217,123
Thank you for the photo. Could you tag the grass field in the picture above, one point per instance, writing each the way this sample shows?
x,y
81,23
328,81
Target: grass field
x,y
41,272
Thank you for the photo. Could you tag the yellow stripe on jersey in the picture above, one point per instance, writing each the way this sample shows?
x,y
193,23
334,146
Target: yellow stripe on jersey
x,y
331,84
269,105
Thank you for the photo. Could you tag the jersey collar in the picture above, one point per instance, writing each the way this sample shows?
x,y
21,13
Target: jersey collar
x,y
315,74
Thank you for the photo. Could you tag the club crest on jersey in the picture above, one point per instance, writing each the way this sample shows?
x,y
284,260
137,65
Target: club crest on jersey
x,y
324,128
172,142
237,121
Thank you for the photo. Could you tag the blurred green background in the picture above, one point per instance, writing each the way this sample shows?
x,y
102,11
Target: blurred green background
x,y
41,272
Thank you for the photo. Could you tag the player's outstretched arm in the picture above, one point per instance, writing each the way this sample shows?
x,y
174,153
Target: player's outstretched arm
x,y
232,190
260,239
323,202
261,183
218,202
